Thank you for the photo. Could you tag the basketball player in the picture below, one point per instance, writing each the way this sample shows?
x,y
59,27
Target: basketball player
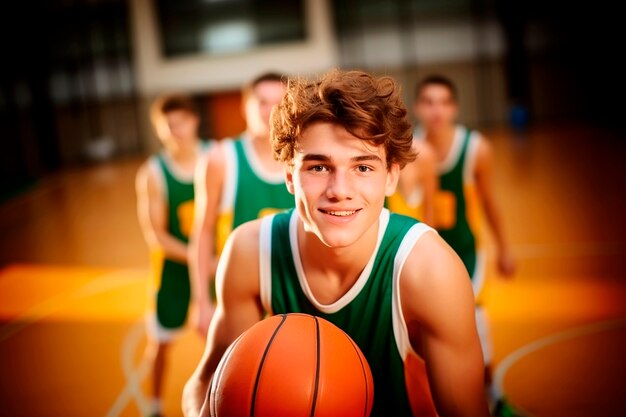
x,y
387,280
240,181
417,186
464,163
165,207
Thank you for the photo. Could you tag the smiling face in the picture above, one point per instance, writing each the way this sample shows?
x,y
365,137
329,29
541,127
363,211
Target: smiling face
x,y
340,183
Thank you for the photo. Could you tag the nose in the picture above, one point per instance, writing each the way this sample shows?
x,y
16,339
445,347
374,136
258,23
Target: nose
x,y
339,186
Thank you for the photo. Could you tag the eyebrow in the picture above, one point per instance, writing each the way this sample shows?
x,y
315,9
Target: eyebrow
x,y
326,158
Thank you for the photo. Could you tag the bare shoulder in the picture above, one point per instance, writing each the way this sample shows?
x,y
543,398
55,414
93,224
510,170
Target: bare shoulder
x,y
433,277
484,149
146,177
238,268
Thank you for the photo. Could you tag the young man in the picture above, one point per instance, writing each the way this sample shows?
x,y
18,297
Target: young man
x,y
165,207
239,181
387,280
464,163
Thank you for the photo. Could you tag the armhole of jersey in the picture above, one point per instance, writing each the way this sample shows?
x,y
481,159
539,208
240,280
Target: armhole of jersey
x,y
265,263
155,166
229,190
400,331
470,158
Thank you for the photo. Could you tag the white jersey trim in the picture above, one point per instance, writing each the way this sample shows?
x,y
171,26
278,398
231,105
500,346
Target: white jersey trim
x,y
470,158
478,276
159,175
265,263
231,170
351,294
400,331
253,159
452,158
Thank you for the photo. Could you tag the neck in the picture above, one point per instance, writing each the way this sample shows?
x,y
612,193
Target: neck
x,y
263,150
183,153
441,136
344,264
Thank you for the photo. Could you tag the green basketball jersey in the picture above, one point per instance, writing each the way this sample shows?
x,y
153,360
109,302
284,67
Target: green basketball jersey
x,y
249,193
456,201
369,312
174,291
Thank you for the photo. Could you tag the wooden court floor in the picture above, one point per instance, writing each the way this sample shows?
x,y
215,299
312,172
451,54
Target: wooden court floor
x,y
75,286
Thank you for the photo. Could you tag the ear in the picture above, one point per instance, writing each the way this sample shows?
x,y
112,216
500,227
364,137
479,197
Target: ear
x,y
393,174
289,178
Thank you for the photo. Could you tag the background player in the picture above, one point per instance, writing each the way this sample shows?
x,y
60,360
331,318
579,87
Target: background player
x,y
240,181
165,205
390,282
417,186
464,163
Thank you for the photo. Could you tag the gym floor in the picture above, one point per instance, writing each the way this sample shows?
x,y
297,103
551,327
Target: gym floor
x,y
75,285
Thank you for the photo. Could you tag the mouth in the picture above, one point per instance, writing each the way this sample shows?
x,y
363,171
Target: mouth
x,y
340,213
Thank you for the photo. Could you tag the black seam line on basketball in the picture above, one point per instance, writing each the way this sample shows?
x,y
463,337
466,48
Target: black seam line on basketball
x,y
258,373
364,374
317,365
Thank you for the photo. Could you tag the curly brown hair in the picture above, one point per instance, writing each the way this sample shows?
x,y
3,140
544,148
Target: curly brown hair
x,y
367,107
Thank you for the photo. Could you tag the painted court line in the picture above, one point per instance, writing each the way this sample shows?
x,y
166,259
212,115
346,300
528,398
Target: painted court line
x,y
505,365
134,376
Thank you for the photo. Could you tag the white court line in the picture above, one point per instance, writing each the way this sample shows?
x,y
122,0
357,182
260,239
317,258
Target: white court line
x,y
134,376
104,283
505,365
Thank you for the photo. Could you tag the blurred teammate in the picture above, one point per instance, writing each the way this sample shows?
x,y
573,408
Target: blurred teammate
x,y
165,195
464,162
240,181
417,186
387,280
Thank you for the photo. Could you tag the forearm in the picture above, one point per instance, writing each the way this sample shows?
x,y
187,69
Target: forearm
x,y
194,395
173,248
200,271
495,224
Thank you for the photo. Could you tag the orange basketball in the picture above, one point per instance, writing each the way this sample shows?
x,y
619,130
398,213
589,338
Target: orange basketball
x,y
292,365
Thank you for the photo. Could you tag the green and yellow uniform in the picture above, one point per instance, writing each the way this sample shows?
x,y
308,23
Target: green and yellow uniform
x,y
172,277
457,209
369,312
249,192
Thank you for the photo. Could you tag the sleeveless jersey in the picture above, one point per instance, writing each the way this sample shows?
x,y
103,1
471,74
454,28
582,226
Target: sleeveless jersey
x,y
173,276
456,202
369,312
249,193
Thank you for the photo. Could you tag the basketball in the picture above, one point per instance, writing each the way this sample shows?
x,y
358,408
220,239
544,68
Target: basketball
x,y
292,365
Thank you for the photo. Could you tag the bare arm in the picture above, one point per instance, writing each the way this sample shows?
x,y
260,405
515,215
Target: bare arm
x,y
483,173
238,308
208,184
152,213
429,180
438,306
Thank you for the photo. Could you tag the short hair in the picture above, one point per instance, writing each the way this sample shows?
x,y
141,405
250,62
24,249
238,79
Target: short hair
x,y
248,88
369,108
436,79
172,102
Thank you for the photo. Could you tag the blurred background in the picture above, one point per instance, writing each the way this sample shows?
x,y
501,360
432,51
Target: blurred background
x,y
541,79
78,74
